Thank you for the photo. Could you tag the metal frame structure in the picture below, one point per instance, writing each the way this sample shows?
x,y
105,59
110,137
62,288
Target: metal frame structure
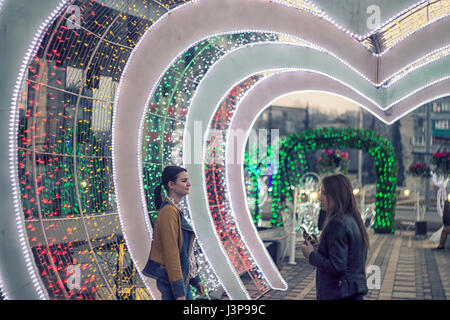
x,y
388,74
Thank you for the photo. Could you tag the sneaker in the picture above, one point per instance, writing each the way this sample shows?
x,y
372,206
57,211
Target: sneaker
x,y
438,248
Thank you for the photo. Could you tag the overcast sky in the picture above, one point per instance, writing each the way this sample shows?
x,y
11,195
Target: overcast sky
x,y
317,100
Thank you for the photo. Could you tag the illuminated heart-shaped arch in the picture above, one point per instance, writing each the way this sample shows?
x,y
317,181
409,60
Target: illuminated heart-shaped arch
x,y
227,72
223,75
260,96
158,38
347,50
365,63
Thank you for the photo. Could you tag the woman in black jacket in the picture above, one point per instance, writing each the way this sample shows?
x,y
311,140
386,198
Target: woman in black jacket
x,y
446,229
342,252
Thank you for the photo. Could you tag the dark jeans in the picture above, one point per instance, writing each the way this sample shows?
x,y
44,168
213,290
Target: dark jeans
x,y
166,291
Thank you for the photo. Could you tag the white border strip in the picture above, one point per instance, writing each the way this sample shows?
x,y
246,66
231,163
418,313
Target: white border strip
x,y
174,32
13,131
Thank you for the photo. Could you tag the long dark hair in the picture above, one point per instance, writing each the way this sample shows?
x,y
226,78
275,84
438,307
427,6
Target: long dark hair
x,y
170,173
446,213
338,188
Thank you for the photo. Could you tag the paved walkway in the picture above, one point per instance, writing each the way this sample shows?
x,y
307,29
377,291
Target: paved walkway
x,y
408,267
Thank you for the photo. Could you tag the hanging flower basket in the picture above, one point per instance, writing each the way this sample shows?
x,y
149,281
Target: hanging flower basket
x,y
332,161
440,163
421,170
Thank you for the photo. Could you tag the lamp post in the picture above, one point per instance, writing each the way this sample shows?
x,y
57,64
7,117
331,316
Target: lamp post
x,y
297,192
359,189
293,229
421,225
417,201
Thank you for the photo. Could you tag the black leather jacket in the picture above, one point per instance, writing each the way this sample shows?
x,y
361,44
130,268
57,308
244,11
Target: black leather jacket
x,y
340,260
446,214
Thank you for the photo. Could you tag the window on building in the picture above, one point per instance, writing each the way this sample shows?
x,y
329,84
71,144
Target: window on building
x,y
441,106
441,124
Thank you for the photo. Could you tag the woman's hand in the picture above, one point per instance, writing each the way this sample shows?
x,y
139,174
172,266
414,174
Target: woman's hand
x,y
315,241
200,289
307,249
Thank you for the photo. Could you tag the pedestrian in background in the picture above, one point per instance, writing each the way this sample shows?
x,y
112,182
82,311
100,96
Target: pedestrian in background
x,y
446,229
172,262
343,244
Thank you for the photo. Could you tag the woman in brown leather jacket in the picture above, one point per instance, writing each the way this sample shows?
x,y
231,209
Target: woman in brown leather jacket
x,y
171,260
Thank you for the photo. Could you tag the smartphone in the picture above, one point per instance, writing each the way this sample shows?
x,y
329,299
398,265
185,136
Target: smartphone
x,y
306,235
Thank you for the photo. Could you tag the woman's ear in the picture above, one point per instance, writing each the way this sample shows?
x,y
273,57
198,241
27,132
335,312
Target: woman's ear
x,y
171,184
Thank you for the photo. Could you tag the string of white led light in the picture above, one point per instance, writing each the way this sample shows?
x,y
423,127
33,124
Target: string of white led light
x,y
426,25
360,37
3,294
13,130
420,63
417,47
433,91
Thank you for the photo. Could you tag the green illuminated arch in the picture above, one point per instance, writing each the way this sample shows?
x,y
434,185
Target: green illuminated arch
x,y
293,165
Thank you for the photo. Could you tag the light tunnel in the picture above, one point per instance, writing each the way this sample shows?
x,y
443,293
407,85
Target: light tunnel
x,y
96,107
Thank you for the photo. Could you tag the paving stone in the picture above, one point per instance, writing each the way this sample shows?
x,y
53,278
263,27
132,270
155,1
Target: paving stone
x,y
401,284
411,271
403,289
404,295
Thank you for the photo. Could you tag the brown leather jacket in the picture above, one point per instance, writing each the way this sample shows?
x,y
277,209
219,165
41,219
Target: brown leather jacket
x,y
169,256
167,241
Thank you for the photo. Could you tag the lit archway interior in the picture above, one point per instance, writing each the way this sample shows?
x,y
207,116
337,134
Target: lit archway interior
x,y
100,110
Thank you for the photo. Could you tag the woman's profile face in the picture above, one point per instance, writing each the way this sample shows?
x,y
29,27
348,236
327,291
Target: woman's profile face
x,y
324,200
181,185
